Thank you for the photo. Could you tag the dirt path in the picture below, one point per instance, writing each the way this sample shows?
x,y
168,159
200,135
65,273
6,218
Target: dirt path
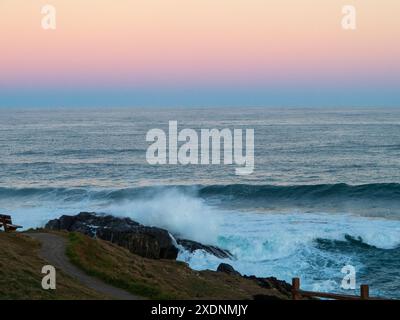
x,y
53,250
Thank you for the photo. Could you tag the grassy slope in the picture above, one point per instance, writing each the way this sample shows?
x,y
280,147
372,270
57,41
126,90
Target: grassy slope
x,y
156,279
20,273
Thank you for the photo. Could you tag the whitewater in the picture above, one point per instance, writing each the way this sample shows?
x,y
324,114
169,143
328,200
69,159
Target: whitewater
x,y
325,192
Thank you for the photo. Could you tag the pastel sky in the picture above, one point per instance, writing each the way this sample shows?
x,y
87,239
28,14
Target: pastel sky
x,y
200,52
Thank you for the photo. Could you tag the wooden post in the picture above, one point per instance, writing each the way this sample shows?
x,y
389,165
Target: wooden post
x,y
364,291
295,288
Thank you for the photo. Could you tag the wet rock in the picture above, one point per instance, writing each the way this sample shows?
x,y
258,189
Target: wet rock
x,y
147,242
192,246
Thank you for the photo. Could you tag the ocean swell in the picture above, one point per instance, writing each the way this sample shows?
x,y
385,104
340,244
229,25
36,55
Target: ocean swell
x,y
382,191
379,191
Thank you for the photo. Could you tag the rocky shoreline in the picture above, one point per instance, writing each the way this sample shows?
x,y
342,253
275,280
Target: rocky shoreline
x,y
148,242
152,243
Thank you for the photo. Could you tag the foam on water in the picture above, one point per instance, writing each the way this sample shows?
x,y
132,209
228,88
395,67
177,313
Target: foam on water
x,y
284,245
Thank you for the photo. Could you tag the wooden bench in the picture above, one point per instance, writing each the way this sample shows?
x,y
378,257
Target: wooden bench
x,y
6,223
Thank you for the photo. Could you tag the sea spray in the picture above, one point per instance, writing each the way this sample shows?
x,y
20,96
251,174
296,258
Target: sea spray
x,y
183,215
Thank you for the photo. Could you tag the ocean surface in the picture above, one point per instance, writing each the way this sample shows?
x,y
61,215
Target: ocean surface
x,y
325,191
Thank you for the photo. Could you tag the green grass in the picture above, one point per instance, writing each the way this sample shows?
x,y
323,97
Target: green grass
x,y
105,266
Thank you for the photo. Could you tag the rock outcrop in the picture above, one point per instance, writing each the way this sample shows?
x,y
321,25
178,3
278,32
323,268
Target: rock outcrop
x,y
148,242
89,222
281,286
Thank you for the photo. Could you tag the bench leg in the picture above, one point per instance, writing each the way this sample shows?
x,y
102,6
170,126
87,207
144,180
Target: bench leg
x,y
4,225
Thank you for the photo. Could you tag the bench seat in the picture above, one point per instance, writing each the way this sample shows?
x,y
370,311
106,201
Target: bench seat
x,y
13,226
6,223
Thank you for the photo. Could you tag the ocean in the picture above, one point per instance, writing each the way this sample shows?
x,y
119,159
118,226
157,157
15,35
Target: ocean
x,y
325,191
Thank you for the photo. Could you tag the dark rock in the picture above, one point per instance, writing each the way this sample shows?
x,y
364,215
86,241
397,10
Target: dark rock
x,y
227,268
273,283
149,242
89,222
193,246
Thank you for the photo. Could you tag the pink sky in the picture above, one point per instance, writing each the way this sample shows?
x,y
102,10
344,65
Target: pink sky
x,y
189,43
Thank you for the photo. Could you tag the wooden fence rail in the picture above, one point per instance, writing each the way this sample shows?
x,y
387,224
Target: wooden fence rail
x,y
297,293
